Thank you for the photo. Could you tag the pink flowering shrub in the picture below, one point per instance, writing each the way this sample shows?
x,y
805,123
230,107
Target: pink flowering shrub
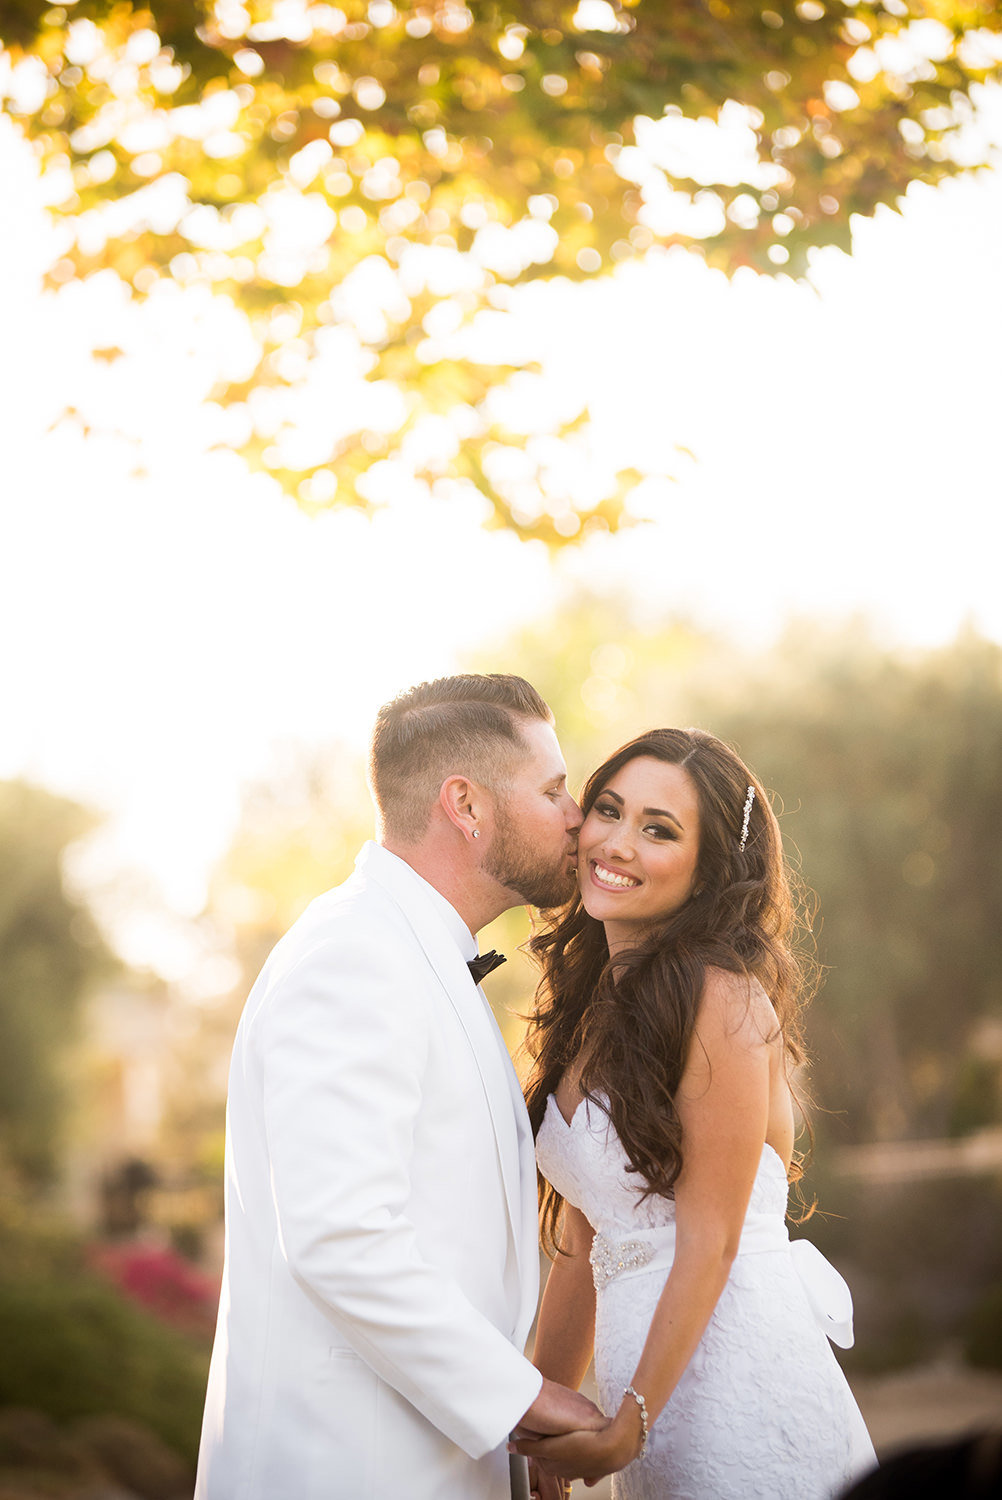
x,y
162,1281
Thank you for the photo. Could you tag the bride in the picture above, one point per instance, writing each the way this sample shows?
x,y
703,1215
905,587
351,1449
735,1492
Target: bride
x,y
664,1038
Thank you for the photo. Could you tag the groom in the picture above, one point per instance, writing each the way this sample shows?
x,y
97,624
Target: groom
x,y
381,1256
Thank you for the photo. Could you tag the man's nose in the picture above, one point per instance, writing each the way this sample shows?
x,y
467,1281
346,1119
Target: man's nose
x,y
573,816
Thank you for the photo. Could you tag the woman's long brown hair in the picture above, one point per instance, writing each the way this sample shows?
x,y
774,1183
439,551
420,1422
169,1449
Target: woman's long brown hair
x,y
632,1027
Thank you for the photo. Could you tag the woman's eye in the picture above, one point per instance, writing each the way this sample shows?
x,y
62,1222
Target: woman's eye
x,y
660,831
606,811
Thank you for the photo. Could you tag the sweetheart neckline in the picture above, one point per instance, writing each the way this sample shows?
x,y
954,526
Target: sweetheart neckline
x,y
569,1125
552,1099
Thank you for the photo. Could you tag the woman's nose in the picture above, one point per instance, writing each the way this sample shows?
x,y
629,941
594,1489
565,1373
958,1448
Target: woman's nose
x,y
618,844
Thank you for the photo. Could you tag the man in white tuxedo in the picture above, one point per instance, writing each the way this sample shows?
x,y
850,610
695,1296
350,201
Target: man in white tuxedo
x,y
381,1261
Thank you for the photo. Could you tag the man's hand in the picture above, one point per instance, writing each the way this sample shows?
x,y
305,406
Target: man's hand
x,y
557,1409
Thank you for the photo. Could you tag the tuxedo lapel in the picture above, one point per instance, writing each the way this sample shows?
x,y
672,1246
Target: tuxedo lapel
x,y
486,1043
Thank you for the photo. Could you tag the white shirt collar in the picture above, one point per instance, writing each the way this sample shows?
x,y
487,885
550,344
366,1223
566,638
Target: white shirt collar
x,y
464,938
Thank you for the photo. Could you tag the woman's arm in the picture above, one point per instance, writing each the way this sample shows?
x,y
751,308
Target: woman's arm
x,y
723,1103
565,1332
565,1329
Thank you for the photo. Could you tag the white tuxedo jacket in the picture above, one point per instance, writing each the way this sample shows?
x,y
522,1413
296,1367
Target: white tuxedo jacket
x,y
381,1266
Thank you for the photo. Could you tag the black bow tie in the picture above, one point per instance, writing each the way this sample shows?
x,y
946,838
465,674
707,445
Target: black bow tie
x,y
484,963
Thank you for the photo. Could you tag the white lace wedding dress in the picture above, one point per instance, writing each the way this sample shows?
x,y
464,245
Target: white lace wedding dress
x,y
763,1409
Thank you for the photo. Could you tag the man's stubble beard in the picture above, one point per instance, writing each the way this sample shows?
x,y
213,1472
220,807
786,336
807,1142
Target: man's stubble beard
x,y
515,864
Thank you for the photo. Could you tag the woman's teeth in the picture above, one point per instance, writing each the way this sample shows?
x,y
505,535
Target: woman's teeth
x,y
610,878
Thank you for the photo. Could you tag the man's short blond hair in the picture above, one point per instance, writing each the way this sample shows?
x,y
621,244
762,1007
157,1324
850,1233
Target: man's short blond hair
x,y
467,725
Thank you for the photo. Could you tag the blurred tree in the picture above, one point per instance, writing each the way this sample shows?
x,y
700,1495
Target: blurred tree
x,y
888,767
50,953
328,166
297,837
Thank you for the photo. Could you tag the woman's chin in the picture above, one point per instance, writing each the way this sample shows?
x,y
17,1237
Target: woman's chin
x,y
595,904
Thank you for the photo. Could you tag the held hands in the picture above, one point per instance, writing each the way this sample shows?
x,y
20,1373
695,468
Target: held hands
x,y
555,1410
586,1453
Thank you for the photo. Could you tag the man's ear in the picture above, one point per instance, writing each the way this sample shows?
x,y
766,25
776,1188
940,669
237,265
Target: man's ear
x,y
463,803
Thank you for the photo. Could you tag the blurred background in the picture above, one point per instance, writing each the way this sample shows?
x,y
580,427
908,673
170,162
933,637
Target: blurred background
x,y
650,352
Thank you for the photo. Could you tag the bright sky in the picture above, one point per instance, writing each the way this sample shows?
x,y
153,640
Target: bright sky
x,y
169,620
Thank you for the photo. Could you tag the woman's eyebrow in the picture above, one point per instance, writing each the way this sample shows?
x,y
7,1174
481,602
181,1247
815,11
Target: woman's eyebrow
x,y
661,812
649,812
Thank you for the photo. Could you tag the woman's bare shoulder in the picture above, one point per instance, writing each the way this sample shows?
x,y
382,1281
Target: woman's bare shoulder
x,y
736,1005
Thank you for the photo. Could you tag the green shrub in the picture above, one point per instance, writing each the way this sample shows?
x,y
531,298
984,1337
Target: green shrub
x,y
73,1347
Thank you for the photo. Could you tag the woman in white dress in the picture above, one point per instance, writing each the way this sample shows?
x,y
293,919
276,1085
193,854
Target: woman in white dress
x,y
665,1033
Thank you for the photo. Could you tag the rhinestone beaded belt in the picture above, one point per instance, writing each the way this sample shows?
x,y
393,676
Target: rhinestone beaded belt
x,y
610,1257
829,1297
656,1248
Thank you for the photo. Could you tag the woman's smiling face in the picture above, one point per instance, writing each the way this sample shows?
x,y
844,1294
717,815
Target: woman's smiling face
x,y
638,848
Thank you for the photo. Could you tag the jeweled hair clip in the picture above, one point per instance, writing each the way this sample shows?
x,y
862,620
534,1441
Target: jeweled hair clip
x,y
747,815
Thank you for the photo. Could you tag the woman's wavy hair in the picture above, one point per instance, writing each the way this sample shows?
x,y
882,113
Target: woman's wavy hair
x,y
632,1024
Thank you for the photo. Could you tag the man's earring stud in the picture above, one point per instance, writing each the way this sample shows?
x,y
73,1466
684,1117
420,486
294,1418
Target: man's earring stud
x,y
476,833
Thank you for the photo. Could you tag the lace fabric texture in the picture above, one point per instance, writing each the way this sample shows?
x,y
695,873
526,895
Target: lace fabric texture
x,y
763,1409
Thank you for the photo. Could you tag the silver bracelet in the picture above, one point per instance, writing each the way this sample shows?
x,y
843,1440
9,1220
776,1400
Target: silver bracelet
x,y
638,1398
